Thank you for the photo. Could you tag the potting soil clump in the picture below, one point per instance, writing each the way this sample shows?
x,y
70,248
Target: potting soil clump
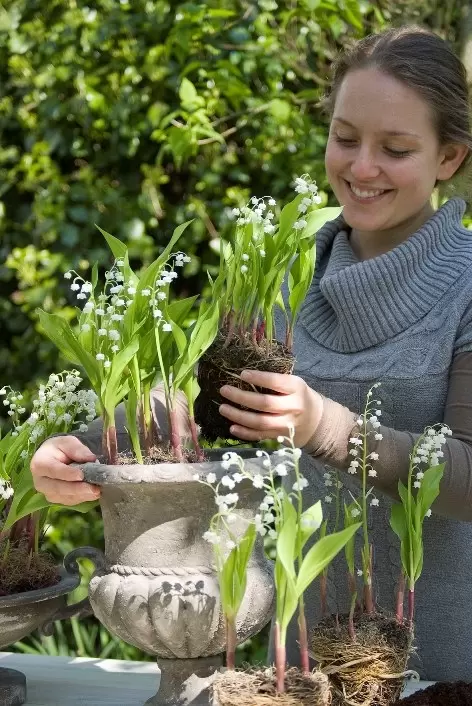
x,y
222,365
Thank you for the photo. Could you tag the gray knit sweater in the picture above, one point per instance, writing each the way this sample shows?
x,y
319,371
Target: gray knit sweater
x,y
402,319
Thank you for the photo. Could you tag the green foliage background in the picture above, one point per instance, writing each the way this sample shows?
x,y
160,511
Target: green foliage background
x,y
137,115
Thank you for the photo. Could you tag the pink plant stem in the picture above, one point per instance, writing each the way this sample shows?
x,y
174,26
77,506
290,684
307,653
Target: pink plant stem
x,y
351,629
175,436
303,638
230,644
261,331
112,446
280,659
254,331
196,444
411,607
229,335
400,598
289,340
368,593
352,585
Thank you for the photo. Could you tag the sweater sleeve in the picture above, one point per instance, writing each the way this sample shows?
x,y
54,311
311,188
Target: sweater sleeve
x,y
330,443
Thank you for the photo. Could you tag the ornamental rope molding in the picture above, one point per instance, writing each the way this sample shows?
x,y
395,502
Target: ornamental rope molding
x,y
182,571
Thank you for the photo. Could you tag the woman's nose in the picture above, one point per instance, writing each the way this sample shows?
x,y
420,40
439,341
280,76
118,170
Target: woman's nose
x,y
364,165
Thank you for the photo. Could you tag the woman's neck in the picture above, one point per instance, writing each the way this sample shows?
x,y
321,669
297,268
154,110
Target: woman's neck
x,y
369,244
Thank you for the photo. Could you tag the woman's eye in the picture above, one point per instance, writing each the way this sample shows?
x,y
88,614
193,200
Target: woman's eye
x,y
345,140
397,153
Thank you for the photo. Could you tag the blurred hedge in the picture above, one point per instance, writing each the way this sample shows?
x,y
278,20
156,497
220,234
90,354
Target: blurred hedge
x,y
140,114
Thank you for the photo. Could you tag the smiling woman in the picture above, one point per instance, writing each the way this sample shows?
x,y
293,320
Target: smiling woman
x,y
391,302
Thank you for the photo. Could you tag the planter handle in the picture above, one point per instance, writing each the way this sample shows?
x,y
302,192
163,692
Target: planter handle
x,y
81,609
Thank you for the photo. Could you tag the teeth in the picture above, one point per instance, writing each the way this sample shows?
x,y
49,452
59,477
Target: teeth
x,y
366,194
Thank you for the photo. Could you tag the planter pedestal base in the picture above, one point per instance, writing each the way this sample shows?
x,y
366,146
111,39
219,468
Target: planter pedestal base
x,y
185,682
12,687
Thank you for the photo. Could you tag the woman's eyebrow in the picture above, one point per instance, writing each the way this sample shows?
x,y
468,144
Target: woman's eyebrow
x,y
393,133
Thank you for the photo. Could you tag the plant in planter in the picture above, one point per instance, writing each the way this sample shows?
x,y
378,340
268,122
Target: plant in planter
x,y
130,337
32,588
281,514
365,652
262,255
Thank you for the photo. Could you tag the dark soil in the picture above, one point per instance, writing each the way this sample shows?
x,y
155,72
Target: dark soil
x,y
441,694
21,571
158,454
222,366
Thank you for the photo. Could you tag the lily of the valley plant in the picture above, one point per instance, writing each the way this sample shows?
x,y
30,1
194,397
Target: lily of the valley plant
x,y
130,337
59,407
281,516
407,517
264,250
417,496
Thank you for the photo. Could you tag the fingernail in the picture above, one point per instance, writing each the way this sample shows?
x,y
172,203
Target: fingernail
x,y
246,375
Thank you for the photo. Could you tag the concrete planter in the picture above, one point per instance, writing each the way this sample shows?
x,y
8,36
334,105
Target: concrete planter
x,y
157,588
21,613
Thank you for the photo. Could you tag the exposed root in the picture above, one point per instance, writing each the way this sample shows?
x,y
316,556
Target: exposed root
x,y
256,687
370,671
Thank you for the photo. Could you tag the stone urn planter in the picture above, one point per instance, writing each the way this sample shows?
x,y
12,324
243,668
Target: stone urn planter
x,y
156,587
21,613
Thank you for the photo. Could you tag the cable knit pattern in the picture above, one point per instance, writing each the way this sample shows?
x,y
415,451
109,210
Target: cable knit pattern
x,y
392,291
400,319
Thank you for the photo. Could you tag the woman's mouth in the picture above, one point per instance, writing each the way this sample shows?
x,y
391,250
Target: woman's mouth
x,y
363,195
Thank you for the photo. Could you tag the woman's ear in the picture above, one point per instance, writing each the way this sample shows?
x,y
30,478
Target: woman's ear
x,y
450,159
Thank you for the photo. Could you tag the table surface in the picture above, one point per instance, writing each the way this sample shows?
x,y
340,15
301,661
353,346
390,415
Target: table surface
x,y
67,681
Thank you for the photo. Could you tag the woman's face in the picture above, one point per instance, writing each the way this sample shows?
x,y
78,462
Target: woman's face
x,y
383,155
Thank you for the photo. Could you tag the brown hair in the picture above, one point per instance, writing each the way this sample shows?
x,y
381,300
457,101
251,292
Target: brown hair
x,y
425,63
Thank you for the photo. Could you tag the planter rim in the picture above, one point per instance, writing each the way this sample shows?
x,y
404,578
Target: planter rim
x,y
104,474
67,583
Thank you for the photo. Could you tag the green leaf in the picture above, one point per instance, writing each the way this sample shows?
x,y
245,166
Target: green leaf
x,y
117,247
399,521
285,578
113,393
429,489
317,219
62,336
322,554
310,521
187,91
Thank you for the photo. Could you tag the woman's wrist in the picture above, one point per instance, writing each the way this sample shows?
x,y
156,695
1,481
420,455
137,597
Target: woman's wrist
x,y
330,437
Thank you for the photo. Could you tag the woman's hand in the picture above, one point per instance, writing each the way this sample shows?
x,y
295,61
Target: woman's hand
x,y
296,404
55,478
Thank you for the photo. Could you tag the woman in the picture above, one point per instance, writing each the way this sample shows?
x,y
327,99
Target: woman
x,y
390,302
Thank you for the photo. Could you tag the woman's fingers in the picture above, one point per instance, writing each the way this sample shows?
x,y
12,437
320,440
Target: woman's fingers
x,y
254,435
255,420
273,404
66,492
279,382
